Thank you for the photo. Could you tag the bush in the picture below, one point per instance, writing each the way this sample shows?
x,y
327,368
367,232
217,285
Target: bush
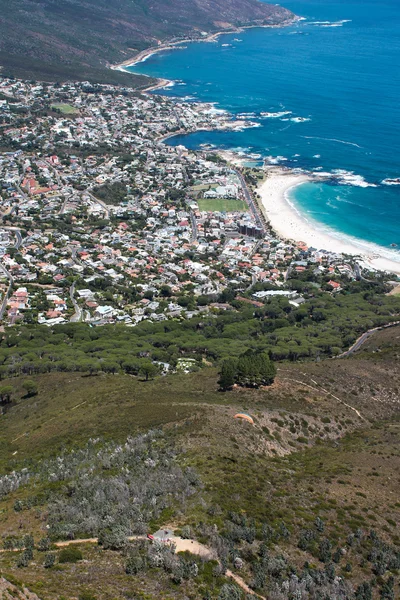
x,y
23,560
86,596
43,545
49,560
70,555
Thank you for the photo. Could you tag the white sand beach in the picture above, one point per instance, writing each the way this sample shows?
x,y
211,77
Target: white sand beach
x,y
291,225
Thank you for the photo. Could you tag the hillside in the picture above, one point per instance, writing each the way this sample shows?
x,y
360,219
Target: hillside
x,y
77,38
305,498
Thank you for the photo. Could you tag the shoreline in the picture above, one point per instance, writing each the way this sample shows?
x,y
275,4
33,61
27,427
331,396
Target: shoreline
x,y
284,218
143,55
290,224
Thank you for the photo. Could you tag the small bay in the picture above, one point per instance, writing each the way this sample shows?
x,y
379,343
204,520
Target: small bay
x,y
329,88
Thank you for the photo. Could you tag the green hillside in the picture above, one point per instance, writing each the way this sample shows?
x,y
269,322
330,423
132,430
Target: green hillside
x,y
310,489
76,39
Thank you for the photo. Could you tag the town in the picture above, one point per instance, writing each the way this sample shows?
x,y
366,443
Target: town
x,y
103,222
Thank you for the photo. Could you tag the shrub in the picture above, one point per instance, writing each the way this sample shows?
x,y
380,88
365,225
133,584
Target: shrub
x,y
49,560
43,545
70,555
86,596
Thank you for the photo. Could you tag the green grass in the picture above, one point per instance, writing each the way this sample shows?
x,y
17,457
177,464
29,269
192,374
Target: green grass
x,y
221,205
66,109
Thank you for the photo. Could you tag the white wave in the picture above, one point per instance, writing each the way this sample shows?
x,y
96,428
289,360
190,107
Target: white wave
x,y
317,156
275,160
389,181
310,137
330,23
350,178
370,249
300,119
275,115
250,115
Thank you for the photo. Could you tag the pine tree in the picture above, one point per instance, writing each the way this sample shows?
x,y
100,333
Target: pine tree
x,y
267,369
227,375
255,369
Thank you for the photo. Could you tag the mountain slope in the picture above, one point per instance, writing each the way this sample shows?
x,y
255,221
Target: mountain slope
x,y
53,38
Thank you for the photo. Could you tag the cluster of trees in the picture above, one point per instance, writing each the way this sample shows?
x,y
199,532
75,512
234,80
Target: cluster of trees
x,y
111,490
274,576
111,193
251,369
322,326
7,391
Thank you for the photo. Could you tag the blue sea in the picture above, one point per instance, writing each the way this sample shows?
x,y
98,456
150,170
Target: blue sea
x,y
336,74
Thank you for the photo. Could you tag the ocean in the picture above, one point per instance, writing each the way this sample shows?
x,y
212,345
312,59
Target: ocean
x,y
330,85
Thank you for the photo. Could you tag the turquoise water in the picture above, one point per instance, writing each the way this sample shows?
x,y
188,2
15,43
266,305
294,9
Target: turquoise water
x,y
339,68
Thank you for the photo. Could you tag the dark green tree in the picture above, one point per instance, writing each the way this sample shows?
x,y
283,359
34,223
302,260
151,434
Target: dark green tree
x,y
227,376
30,387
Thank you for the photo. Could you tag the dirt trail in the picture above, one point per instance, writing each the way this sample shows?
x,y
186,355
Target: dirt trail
x,y
324,391
181,545
242,584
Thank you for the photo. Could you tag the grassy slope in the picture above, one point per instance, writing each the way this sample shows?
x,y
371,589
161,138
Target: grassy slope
x,y
270,471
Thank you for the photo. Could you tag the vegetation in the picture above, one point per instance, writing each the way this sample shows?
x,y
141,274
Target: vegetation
x,y
221,205
65,109
324,325
292,518
252,369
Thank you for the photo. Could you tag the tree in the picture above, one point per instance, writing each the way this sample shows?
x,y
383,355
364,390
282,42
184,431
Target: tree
x,y
325,550
43,544
30,387
229,592
148,369
49,560
6,392
255,369
227,376
364,592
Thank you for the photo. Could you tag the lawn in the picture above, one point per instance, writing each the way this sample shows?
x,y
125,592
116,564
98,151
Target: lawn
x,y
66,109
222,205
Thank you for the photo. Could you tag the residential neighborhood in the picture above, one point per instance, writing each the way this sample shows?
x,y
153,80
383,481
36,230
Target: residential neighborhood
x,y
103,222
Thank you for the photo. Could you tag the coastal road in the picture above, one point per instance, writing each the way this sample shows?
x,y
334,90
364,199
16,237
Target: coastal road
x,y
249,199
364,337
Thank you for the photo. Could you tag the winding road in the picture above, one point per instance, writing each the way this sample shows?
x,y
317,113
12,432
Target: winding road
x,y
364,337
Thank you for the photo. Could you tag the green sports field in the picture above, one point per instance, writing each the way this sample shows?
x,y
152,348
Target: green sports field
x,y
66,109
221,205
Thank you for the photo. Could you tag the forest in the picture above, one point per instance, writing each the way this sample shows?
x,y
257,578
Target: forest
x,y
323,326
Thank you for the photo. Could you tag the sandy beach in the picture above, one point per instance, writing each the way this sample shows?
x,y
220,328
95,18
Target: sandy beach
x,y
291,225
